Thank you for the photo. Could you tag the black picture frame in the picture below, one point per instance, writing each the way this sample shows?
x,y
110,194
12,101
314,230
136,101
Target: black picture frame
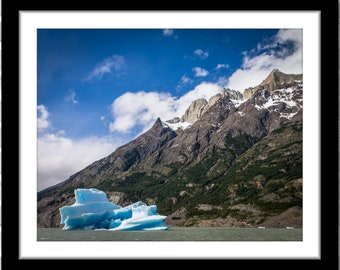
x,y
329,187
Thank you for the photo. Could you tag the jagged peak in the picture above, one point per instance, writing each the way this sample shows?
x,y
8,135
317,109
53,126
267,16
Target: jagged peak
x,y
159,126
157,123
232,94
275,80
275,71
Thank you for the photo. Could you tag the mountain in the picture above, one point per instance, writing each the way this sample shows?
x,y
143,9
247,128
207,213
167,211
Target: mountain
x,y
275,80
232,160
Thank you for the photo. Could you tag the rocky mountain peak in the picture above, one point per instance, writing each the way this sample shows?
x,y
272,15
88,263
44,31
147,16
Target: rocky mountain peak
x,y
157,126
198,107
159,132
195,111
275,80
232,94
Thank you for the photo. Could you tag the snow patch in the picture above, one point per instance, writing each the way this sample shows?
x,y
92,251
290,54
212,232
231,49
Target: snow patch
x,y
177,126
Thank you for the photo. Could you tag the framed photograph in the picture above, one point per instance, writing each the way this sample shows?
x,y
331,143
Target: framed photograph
x,y
92,81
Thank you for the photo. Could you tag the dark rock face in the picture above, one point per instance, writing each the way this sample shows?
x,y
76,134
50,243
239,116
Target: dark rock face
x,y
143,146
239,163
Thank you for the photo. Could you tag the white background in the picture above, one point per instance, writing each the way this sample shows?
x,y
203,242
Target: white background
x,y
309,21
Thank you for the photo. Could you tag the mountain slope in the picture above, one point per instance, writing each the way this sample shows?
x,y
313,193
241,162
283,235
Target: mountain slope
x,y
237,162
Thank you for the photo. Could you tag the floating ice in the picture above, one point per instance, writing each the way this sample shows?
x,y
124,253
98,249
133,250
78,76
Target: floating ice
x,y
92,210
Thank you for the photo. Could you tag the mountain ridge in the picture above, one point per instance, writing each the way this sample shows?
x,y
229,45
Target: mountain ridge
x,y
187,172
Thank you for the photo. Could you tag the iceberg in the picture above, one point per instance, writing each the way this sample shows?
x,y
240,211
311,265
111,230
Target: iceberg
x,y
92,210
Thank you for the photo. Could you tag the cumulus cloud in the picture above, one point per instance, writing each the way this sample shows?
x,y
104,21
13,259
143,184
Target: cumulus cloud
x,y
200,72
283,51
222,81
201,54
113,63
59,157
69,156
142,108
42,121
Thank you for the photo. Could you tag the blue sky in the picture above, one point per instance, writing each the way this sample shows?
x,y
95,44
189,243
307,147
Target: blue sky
x,y
100,88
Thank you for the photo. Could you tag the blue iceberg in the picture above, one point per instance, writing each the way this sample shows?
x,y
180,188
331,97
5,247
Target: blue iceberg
x,y
92,210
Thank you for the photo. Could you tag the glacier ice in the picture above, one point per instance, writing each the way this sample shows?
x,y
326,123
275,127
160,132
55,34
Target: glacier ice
x,y
92,210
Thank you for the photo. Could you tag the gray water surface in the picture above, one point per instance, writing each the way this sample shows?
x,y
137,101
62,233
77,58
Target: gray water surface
x,y
174,234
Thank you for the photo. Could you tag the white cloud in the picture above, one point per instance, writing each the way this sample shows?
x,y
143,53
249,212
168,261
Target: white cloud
x,y
185,80
113,63
200,72
222,81
201,54
42,121
169,33
283,51
71,97
142,108
139,109
219,66
59,157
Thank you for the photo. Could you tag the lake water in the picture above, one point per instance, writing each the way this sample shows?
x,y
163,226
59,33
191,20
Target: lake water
x,y
174,234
